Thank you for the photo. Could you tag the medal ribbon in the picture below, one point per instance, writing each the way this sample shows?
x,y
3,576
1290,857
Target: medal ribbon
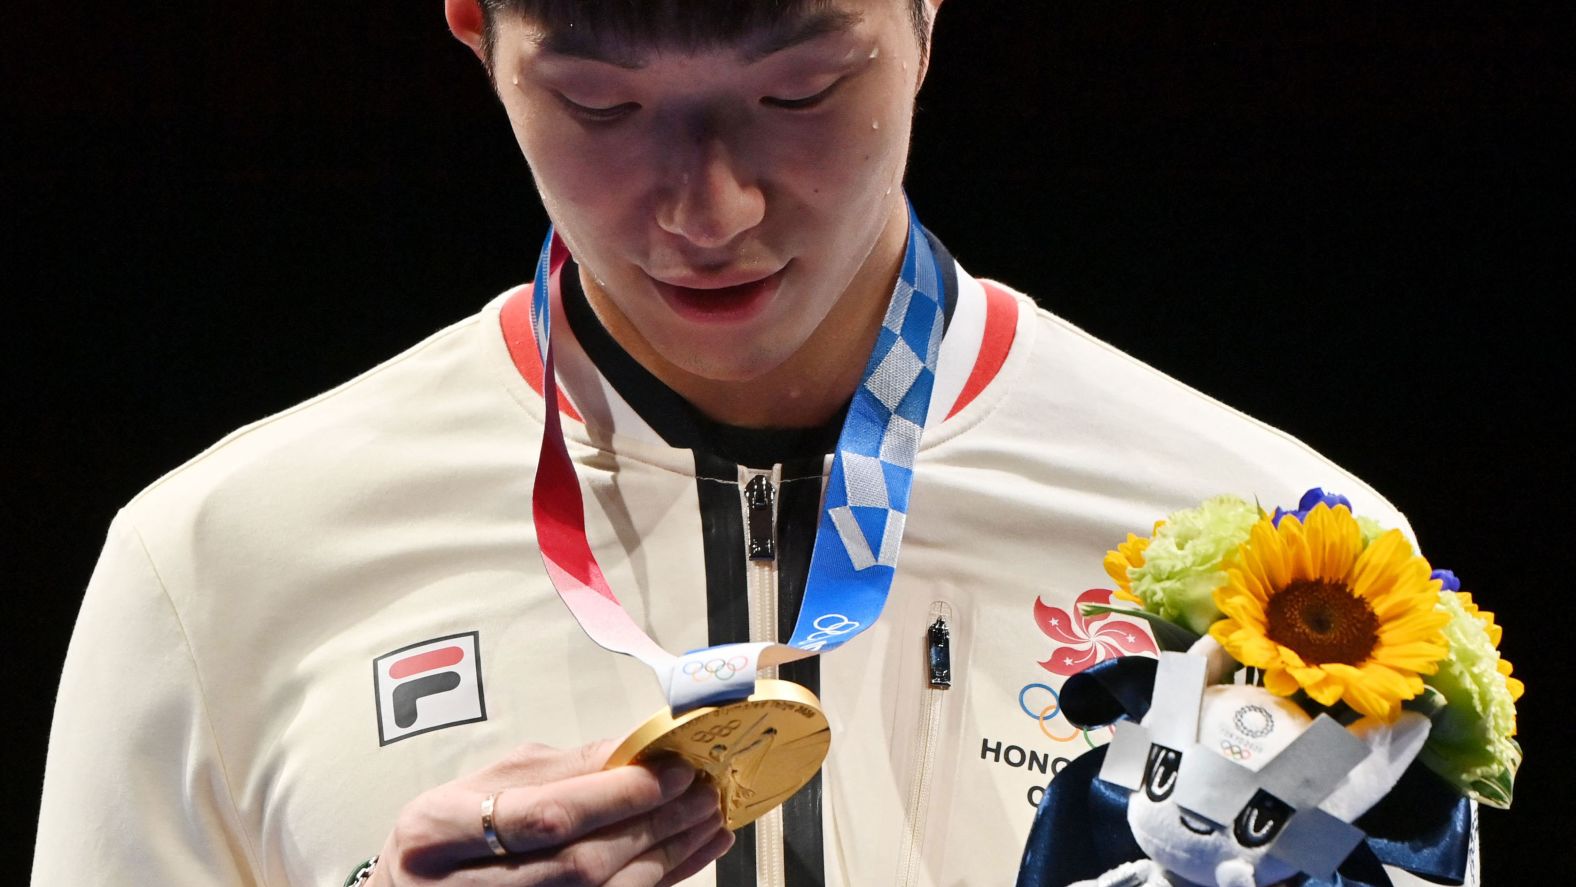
x,y
861,526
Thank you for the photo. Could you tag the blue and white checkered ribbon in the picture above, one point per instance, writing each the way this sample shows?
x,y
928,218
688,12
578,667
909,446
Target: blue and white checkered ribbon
x,y
856,543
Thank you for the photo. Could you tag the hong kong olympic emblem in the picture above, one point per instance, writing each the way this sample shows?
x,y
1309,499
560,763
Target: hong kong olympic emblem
x,y
1085,640
1081,641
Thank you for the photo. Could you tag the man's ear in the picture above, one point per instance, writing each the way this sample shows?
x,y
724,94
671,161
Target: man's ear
x,y
465,23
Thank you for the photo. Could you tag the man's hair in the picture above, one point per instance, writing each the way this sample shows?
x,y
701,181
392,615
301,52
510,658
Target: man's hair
x,y
683,25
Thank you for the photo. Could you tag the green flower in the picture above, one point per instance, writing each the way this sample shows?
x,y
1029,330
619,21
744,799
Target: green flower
x,y
1470,744
1370,529
1185,561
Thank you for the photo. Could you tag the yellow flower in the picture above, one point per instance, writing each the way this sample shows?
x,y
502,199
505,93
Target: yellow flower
x,y
1317,611
1127,556
1470,743
1513,685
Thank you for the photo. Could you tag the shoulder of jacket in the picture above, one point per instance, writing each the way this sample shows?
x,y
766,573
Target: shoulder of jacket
x,y
296,434
1069,370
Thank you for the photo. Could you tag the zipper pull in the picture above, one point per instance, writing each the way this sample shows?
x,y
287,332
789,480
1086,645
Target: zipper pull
x,y
760,496
939,662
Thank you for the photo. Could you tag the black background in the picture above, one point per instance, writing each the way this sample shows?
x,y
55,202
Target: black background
x,y
1350,222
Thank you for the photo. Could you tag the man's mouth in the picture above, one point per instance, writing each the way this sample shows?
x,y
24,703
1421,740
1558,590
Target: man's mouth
x,y
722,299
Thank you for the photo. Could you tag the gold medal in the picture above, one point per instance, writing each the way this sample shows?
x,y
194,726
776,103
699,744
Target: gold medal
x,y
757,751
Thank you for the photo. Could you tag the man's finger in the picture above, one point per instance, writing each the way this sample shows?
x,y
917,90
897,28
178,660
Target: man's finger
x,y
540,817
677,858
604,855
720,842
613,848
534,763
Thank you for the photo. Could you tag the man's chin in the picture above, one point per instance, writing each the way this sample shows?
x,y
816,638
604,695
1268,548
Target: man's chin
x,y
730,364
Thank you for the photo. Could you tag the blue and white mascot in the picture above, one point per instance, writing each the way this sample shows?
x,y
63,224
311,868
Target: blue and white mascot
x,y
1229,785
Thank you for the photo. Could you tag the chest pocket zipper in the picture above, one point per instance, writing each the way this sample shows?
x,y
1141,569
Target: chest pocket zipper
x,y
938,679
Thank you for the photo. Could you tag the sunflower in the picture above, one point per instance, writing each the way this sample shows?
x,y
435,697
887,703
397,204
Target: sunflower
x,y
1317,611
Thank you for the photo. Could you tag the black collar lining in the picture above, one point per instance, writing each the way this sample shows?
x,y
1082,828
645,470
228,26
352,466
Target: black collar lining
x,y
678,422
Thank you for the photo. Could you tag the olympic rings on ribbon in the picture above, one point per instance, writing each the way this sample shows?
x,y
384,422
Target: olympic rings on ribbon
x,y
835,624
716,669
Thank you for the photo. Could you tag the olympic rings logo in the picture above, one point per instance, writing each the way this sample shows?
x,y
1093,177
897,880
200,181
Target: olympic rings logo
x,y
1233,750
721,731
828,626
716,669
1045,714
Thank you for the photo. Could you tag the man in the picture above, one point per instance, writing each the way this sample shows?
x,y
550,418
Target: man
x,y
728,183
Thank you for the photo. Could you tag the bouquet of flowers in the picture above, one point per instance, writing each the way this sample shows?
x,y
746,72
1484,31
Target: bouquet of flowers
x,y
1296,624
1340,613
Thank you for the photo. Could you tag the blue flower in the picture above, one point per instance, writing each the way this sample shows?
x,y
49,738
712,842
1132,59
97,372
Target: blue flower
x,y
1447,578
1310,499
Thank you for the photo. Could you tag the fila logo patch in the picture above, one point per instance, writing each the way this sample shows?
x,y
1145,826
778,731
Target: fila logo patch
x,y
428,686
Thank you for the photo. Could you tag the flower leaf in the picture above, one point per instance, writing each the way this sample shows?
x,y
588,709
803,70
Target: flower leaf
x,y
1428,703
1496,790
1170,636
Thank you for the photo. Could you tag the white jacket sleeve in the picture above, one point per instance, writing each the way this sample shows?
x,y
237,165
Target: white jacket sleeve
x,y
135,789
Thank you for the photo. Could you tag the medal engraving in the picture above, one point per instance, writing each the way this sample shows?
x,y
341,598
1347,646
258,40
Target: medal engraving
x,y
757,751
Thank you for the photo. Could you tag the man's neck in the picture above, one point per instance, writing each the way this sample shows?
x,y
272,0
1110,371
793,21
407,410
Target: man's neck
x,y
813,384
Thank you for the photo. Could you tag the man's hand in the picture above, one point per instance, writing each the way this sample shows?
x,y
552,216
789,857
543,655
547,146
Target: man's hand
x,y
564,820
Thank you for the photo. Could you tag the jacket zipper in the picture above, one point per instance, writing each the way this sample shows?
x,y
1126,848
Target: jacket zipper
x,y
758,494
938,679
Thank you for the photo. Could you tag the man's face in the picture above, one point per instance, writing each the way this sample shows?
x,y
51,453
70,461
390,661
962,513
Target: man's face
x,y
723,203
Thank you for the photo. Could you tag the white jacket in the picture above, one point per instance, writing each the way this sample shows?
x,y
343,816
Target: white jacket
x,y
231,709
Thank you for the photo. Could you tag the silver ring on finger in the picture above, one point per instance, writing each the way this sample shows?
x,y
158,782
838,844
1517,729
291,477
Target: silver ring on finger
x,y
489,827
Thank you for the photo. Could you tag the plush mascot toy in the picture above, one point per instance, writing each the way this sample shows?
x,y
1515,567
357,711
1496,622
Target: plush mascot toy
x,y
1230,785
1327,705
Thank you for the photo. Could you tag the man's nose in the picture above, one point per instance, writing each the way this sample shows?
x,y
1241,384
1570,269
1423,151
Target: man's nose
x,y
713,197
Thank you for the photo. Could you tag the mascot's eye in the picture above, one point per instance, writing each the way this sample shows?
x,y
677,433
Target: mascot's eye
x,y
1261,820
1160,772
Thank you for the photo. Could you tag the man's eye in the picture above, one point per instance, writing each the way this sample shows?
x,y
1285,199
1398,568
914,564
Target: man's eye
x,y
800,104
599,115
